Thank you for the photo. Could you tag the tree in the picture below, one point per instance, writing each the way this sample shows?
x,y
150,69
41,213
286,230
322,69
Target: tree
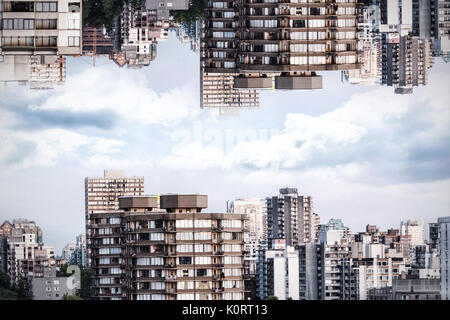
x,y
195,11
101,13
23,290
85,280
85,290
272,298
72,297
5,280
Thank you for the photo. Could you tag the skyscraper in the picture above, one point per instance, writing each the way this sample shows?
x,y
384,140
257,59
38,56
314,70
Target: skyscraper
x,y
289,41
291,217
102,194
171,252
415,230
34,39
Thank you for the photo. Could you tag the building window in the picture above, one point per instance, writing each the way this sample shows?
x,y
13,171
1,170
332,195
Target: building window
x,y
74,24
74,41
46,6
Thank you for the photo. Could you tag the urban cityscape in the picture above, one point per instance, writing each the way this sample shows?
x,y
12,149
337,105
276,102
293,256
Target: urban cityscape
x,y
286,123
243,46
168,247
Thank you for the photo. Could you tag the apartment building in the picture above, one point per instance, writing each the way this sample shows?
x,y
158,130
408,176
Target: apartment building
x,y
287,41
291,217
217,91
407,289
442,28
278,273
310,264
405,61
254,228
369,51
415,229
35,36
359,276
320,267
169,252
102,193
51,287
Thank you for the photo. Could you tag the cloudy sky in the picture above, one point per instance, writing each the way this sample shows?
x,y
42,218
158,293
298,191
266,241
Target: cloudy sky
x,y
363,153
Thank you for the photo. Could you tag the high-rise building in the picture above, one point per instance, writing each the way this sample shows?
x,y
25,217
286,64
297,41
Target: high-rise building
x,y
442,28
369,51
67,251
169,252
102,194
415,230
80,254
255,233
434,235
287,41
444,244
35,37
291,217
278,273
217,91
333,231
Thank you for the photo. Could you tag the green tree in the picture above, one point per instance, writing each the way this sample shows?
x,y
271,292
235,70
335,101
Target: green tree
x,y
23,290
85,291
101,13
6,294
5,280
196,11
272,298
72,297
85,280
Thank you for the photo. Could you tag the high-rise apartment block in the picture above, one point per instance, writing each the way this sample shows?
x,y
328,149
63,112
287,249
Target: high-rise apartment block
x,y
291,217
173,251
102,194
35,36
287,41
278,273
415,229
254,228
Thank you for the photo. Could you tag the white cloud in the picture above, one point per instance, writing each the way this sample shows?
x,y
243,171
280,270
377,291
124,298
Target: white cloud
x,y
371,136
20,148
127,94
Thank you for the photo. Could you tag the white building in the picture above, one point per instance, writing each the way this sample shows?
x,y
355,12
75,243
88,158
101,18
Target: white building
x,y
278,273
68,250
415,229
255,211
34,37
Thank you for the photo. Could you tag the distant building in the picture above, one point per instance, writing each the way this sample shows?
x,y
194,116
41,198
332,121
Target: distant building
x,y
291,217
67,251
415,229
444,231
51,287
407,289
255,212
278,273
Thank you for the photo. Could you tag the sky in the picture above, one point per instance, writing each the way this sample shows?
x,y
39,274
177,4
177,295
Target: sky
x,y
365,154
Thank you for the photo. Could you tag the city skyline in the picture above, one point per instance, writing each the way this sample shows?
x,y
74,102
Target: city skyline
x,y
47,133
290,149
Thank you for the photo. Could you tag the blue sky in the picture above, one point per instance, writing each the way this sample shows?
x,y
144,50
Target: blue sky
x,y
363,153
